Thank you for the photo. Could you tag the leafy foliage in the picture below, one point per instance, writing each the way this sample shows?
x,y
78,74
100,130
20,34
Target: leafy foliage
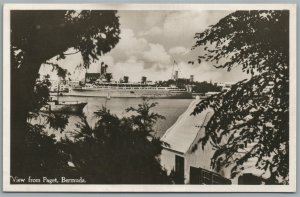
x,y
91,32
41,94
118,151
42,155
252,119
204,87
38,36
143,119
57,121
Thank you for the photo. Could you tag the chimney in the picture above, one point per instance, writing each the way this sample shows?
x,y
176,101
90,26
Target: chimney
x,y
102,70
105,69
125,79
176,75
144,80
192,78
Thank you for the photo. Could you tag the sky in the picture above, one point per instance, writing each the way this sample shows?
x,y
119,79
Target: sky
x,y
150,43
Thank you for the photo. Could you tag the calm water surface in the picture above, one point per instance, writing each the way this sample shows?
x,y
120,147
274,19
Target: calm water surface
x,y
170,108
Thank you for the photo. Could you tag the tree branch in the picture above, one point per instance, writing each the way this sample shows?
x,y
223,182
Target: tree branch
x,y
71,53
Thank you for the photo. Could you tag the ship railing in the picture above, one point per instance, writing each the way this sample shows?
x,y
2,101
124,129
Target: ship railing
x,y
62,102
69,102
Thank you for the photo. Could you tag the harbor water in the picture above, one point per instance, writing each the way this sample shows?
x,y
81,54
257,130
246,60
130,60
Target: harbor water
x,y
171,109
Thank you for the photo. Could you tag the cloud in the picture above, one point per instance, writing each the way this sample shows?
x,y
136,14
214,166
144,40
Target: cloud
x,y
179,50
206,72
153,18
178,24
181,26
154,31
134,46
129,44
131,67
156,55
150,40
96,66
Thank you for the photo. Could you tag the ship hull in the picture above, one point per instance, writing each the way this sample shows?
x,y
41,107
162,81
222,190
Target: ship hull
x,y
128,93
65,108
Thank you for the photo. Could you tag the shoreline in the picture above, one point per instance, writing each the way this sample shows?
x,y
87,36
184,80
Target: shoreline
x,y
93,96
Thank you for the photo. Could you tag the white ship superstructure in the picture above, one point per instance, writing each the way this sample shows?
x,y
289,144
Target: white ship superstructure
x,y
100,84
129,90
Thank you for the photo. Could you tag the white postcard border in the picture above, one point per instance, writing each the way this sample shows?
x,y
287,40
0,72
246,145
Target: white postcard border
x,y
145,188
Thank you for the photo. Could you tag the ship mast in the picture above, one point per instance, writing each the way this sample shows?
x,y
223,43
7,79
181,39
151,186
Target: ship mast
x,y
58,84
172,74
178,70
85,76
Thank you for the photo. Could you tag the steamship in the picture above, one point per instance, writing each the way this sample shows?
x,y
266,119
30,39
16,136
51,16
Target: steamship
x,y
100,85
119,90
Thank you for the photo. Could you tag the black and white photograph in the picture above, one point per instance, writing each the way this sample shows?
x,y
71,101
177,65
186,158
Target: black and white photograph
x,y
149,98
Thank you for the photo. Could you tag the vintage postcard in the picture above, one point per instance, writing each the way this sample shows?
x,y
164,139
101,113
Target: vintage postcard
x,y
149,98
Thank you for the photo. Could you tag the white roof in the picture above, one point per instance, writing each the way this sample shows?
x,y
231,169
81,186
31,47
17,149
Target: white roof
x,y
184,131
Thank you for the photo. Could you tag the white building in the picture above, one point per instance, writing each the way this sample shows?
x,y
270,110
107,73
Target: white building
x,y
225,85
74,83
211,93
194,165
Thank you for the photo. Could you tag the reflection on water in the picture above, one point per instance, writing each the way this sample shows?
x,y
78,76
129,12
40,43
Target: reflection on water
x,y
170,108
